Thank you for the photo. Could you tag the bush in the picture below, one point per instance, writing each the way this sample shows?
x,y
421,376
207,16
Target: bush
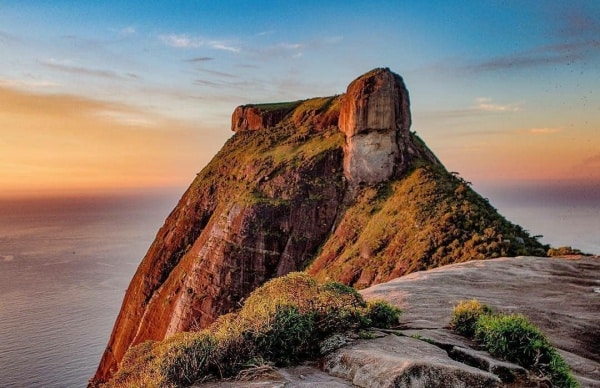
x,y
515,339
382,314
465,316
284,321
563,251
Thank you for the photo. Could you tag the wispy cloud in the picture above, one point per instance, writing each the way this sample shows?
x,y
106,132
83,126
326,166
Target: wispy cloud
x,y
127,31
199,59
219,73
562,53
267,32
29,83
79,70
541,131
486,104
481,106
186,41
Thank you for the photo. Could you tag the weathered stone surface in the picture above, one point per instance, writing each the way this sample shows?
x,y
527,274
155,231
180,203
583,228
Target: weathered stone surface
x,y
238,225
557,295
375,116
394,361
376,101
253,118
303,376
507,371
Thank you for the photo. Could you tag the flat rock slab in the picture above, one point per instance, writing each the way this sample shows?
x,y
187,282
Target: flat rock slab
x,y
394,361
303,376
556,294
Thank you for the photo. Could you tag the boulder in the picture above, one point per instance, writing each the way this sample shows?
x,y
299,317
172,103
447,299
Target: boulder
x,y
555,294
375,116
394,361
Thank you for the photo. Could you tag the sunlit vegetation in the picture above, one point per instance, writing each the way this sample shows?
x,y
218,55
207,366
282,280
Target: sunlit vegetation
x,y
512,337
425,219
564,251
287,320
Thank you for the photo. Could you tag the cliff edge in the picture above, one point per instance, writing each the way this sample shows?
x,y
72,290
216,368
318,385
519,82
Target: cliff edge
x,y
336,185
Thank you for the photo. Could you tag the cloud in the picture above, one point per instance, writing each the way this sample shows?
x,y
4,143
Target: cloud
x,y
541,131
31,83
562,53
53,142
481,106
219,73
486,104
199,59
80,70
186,41
127,31
263,33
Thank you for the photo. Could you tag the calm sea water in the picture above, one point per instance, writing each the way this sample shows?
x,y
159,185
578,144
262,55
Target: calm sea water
x,y
65,265
64,268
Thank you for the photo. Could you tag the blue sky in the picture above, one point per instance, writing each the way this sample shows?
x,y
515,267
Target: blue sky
x,y
500,90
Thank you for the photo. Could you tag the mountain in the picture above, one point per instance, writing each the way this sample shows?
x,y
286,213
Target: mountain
x,y
338,186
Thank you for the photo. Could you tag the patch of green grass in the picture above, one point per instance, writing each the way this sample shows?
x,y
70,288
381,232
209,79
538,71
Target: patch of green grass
x,y
284,321
512,337
269,107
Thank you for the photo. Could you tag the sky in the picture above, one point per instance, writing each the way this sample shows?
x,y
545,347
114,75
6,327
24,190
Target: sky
x,y
117,96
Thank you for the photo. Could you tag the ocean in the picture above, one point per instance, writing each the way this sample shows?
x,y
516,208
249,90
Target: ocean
x,y
64,268
65,265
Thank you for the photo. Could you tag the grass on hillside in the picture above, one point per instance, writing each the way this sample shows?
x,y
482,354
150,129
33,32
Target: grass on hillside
x,y
425,219
287,320
512,337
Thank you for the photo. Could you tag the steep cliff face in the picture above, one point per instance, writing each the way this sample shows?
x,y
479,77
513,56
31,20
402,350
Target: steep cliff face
x,y
360,202
375,116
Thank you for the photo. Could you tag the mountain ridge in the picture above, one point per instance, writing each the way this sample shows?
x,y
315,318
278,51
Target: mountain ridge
x,y
327,184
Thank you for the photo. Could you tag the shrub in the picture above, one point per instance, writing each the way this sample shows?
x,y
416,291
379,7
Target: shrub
x,y
465,316
286,320
515,339
382,314
563,251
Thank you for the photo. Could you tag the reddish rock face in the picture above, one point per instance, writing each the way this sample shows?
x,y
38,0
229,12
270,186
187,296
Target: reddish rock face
x,y
375,116
259,210
376,101
254,118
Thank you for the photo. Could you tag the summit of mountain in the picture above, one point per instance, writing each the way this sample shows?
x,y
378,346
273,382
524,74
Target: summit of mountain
x,y
337,186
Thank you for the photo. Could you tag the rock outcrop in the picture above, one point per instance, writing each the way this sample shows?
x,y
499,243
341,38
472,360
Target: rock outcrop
x,y
560,296
289,190
257,117
375,116
424,352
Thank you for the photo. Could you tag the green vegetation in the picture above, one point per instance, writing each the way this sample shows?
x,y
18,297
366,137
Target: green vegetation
x,y
287,320
275,106
425,219
466,315
514,338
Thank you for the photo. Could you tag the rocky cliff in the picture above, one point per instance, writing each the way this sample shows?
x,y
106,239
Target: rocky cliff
x,y
338,185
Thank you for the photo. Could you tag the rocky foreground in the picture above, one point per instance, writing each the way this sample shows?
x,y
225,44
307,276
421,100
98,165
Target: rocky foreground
x,y
559,295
